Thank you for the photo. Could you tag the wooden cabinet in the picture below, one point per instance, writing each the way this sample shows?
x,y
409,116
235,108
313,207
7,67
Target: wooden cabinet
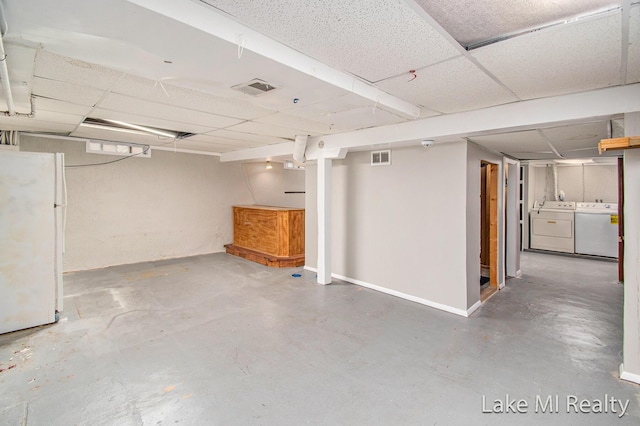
x,y
272,236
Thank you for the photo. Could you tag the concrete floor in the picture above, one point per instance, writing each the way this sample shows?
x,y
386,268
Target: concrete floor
x,y
219,340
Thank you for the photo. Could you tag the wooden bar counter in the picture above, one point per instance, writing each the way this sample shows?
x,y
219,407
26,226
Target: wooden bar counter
x,y
272,236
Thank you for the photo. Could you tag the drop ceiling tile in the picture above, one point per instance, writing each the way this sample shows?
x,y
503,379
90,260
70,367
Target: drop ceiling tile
x,y
452,86
20,69
108,135
162,91
527,141
217,140
148,121
68,92
633,58
573,57
247,137
34,125
484,20
290,121
62,68
361,118
126,104
269,130
577,137
46,104
547,155
206,147
58,117
349,112
348,35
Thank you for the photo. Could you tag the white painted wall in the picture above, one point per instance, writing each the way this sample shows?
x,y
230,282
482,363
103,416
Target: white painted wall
x,y
400,227
268,186
579,182
171,205
476,154
631,326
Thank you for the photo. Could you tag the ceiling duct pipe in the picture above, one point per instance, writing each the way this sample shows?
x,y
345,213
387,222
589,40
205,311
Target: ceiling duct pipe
x,y
4,72
299,148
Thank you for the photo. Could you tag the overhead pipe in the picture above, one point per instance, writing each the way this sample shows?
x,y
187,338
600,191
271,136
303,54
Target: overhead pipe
x,y
4,72
299,148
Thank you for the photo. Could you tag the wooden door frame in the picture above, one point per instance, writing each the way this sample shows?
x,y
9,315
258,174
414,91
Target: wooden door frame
x,y
492,190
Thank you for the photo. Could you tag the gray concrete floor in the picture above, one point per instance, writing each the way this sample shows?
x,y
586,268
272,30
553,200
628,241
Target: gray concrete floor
x,y
219,340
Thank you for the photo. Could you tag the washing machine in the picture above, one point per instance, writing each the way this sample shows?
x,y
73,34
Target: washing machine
x,y
596,227
552,226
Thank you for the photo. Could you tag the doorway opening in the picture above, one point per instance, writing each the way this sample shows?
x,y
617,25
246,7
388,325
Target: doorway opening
x,y
489,181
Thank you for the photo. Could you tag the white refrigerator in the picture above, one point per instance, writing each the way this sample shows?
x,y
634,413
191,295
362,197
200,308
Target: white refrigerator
x,y
31,241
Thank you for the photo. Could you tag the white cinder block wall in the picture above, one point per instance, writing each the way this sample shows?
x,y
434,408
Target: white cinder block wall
x,y
268,186
400,227
170,205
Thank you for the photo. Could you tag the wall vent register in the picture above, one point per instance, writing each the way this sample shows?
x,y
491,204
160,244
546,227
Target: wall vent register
x,y
381,158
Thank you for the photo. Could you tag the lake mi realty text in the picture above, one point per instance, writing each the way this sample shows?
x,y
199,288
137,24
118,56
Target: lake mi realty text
x,y
555,404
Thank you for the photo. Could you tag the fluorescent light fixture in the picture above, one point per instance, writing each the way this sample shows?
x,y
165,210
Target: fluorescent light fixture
x,y
144,129
137,129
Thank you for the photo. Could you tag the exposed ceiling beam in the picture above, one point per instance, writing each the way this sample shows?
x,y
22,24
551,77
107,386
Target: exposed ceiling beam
x,y
215,23
260,152
521,115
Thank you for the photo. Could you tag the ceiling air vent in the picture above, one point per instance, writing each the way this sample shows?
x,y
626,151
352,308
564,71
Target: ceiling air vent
x,y
255,87
381,158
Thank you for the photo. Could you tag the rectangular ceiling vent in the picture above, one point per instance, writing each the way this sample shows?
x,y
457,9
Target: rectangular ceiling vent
x,y
255,87
381,158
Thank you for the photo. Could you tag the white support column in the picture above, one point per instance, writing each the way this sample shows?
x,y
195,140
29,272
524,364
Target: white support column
x,y
630,369
324,221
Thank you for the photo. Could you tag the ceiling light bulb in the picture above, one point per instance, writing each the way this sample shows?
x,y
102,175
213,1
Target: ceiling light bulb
x,y
269,166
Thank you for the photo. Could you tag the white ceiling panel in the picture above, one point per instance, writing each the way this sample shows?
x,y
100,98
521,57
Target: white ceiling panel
x,y
568,58
58,117
67,92
291,121
348,35
452,86
162,91
485,20
205,147
34,125
62,68
269,130
148,121
20,69
528,141
633,58
582,136
362,118
235,143
247,137
46,104
350,112
110,135
126,104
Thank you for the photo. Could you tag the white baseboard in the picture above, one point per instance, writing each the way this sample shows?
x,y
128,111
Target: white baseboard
x,y
474,308
405,296
629,377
